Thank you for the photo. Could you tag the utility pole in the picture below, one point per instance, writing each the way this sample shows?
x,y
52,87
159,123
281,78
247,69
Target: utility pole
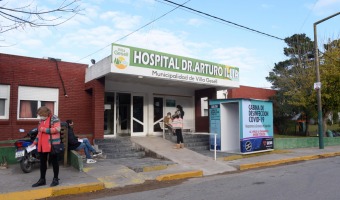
x,y
317,85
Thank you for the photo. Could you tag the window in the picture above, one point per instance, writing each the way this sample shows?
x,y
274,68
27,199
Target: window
x,y
2,107
31,98
204,106
4,101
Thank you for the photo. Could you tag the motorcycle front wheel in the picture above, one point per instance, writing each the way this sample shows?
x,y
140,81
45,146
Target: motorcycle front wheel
x,y
25,165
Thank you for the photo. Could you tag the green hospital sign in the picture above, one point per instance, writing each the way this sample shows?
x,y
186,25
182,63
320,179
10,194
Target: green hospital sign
x,y
137,61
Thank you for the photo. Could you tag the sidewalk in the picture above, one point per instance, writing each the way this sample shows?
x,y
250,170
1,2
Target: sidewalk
x,y
108,174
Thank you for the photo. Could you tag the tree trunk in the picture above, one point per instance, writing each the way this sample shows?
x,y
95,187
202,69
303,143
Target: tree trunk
x,y
307,129
324,122
307,126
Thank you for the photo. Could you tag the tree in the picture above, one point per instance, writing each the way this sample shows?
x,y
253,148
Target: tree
x,y
30,15
330,79
293,80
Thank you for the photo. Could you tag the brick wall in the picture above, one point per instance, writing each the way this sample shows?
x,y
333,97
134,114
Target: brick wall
x,y
97,90
251,92
25,71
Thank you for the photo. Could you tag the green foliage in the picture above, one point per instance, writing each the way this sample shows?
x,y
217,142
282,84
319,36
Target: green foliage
x,y
336,118
294,79
330,76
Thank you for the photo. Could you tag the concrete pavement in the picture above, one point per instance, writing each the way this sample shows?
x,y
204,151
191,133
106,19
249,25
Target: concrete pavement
x,y
108,174
184,157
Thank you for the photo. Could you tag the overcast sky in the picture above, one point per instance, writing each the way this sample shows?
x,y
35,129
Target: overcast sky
x,y
181,32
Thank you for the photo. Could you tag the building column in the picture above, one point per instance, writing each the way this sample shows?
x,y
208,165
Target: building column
x,y
97,90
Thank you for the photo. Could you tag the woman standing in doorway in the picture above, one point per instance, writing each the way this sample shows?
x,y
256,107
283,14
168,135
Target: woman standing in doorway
x,y
179,114
49,127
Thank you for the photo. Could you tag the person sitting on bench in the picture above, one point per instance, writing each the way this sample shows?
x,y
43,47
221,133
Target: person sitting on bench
x,y
74,143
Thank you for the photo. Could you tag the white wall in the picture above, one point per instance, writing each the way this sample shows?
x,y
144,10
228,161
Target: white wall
x,y
230,127
222,94
99,69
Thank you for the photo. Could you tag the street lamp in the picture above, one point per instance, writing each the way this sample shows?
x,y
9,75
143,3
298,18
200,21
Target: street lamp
x,y
318,83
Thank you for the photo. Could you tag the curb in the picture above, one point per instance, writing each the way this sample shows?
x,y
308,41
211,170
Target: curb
x,y
183,175
238,157
288,160
53,192
156,167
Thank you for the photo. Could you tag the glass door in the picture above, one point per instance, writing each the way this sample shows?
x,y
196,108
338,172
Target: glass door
x,y
123,117
138,113
109,120
158,114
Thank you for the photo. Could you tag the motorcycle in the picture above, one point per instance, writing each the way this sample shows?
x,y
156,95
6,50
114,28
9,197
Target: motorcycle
x,y
27,159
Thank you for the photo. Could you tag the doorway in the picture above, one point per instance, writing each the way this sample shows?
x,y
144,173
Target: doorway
x,y
109,119
138,113
157,113
125,114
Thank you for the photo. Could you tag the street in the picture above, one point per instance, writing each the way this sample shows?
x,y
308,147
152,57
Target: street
x,y
316,179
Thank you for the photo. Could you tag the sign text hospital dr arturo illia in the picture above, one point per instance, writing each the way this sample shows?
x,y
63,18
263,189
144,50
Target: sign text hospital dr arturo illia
x,y
137,61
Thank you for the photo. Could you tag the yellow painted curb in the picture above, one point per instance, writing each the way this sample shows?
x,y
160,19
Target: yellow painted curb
x,y
78,189
288,160
154,168
237,157
183,175
28,194
55,191
157,167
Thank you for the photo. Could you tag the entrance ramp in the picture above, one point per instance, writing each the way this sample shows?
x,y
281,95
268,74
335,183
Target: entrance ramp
x,y
185,158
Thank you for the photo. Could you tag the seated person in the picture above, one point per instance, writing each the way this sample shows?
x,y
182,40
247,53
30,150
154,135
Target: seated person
x,y
74,143
167,122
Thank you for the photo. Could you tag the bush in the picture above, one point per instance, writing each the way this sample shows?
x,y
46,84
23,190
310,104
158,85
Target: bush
x,y
336,119
285,125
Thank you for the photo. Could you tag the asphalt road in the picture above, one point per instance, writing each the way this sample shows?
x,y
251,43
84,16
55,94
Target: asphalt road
x,y
310,180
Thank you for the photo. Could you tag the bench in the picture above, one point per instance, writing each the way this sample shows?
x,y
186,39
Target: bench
x,y
64,139
75,160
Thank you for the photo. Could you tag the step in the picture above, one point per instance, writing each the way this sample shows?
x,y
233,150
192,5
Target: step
x,y
140,167
112,141
138,164
196,139
138,154
198,148
195,144
122,145
118,149
189,135
195,136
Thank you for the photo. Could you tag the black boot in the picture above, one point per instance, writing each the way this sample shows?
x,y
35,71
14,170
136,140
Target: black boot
x,y
41,182
55,182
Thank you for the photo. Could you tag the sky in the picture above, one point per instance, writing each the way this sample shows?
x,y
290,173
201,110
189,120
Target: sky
x,y
89,35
